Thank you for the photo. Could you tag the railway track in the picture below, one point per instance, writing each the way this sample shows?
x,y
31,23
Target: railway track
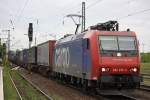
x,y
145,88
34,86
97,96
19,94
115,95
119,97
146,76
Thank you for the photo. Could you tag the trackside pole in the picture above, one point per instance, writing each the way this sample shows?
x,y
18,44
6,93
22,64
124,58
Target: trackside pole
x,y
30,35
29,57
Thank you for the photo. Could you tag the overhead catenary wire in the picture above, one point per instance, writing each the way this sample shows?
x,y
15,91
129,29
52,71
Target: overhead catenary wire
x,y
134,13
21,11
12,24
91,5
88,7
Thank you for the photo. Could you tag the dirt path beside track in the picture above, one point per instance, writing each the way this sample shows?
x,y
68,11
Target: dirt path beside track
x,y
54,89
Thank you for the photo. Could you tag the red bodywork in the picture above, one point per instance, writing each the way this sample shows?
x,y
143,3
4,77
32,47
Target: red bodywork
x,y
116,65
51,51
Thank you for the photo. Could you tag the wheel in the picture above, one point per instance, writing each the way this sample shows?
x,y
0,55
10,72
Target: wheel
x,y
85,87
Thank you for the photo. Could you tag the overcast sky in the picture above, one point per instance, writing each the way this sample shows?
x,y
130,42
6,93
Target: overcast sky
x,y
47,17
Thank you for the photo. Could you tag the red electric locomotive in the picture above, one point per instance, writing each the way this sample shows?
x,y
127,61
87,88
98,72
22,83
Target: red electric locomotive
x,y
115,57
99,57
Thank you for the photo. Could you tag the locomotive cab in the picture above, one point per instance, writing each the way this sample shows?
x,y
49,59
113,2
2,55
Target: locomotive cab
x,y
119,59
115,54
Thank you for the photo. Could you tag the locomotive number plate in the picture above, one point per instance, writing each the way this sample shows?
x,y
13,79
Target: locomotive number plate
x,y
119,70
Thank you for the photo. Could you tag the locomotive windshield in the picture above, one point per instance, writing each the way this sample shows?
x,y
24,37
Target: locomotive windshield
x,y
111,44
126,43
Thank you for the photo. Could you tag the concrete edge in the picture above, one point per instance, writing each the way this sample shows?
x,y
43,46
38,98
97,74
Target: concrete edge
x,y
2,90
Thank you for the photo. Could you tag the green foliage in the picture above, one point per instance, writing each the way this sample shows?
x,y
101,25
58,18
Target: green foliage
x,y
2,51
9,90
145,57
29,92
145,68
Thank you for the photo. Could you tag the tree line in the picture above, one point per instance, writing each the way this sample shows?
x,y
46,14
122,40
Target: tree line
x,y
145,57
2,50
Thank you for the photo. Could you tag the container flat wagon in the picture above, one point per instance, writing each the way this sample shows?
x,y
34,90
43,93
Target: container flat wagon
x,y
45,56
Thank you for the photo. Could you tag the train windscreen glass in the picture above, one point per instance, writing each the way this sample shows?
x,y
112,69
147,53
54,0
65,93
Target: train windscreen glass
x,y
111,44
126,43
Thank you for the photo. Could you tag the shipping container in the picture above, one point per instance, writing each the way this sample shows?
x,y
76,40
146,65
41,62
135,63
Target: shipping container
x,y
45,53
17,57
25,56
33,55
11,56
21,57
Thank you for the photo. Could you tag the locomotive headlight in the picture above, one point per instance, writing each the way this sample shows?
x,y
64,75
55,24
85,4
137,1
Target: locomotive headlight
x,y
134,69
105,69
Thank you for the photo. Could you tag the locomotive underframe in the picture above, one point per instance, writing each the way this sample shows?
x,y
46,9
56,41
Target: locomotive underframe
x,y
120,81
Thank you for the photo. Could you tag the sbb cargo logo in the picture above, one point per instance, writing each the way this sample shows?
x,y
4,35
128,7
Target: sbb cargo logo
x,y
62,57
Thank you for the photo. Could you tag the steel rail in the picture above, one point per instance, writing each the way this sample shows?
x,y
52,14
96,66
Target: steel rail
x,y
145,88
36,87
130,97
146,77
15,87
119,97
145,74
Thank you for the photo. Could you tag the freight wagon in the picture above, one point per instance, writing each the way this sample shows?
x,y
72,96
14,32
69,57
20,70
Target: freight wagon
x,y
32,58
11,56
18,57
32,55
45,53
25,58
21,57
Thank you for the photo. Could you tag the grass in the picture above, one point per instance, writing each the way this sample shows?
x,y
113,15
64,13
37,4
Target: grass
x,y
30,92
145,68
147,82
26,90
9,90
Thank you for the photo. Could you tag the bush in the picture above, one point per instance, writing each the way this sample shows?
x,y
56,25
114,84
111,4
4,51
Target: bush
x,y
145,57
